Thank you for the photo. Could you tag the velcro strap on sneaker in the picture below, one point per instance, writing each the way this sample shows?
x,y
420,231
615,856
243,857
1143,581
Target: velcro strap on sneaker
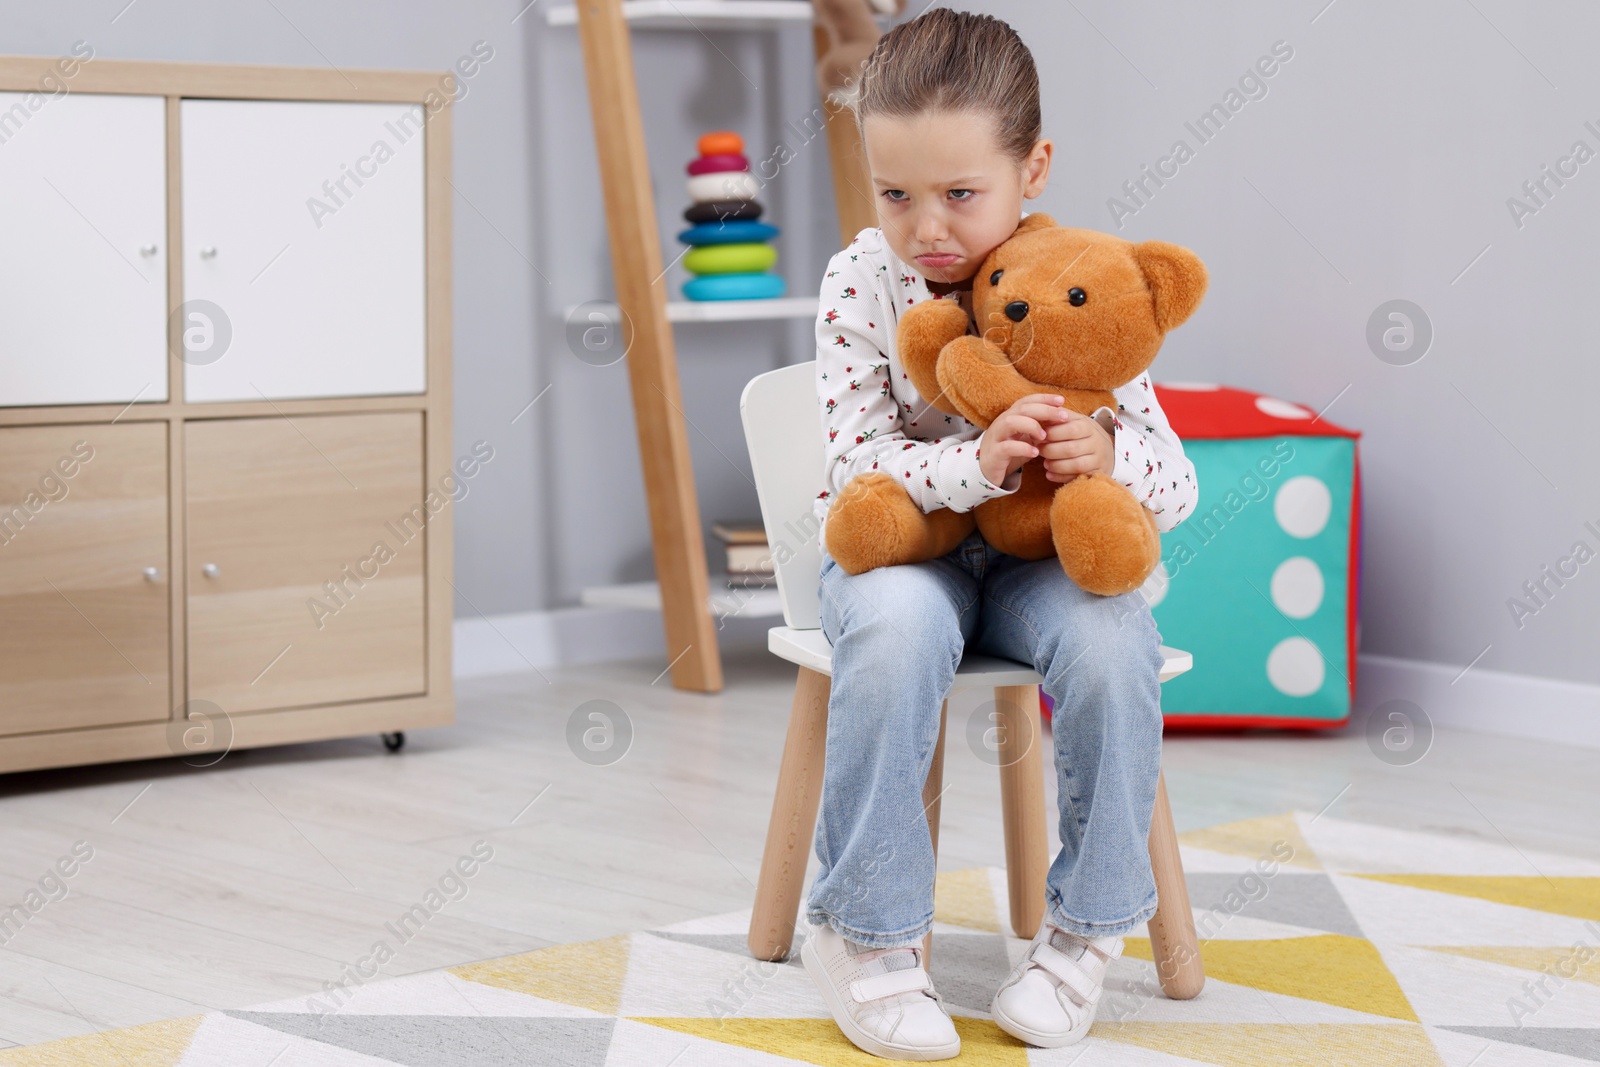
x,y
884,985
1084,986
1110,951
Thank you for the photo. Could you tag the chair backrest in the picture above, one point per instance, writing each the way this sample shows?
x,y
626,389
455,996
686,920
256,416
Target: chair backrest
x,y
784,434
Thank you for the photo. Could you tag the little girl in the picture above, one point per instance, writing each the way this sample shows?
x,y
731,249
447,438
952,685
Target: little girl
x,y
948,109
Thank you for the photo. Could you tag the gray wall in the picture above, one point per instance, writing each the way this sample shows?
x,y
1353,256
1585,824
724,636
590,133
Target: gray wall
x,y
1377,166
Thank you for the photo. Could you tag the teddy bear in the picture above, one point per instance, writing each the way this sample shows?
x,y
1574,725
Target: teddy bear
x,y
1061,310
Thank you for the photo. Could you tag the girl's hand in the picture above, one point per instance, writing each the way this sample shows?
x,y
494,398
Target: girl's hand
x,y
1077,445
1016,436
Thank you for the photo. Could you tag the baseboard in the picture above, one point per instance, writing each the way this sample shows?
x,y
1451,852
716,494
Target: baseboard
x,y
1482,700
1485,701
504,644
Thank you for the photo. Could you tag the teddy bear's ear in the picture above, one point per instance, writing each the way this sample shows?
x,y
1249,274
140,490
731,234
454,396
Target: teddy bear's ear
x,y
1176,277
1036,220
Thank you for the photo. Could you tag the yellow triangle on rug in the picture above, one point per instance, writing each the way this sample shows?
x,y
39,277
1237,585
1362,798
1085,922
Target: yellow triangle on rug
x,y
1346,972
1256,838
158,1044
588,974
1578,897
1564,961
1280,1045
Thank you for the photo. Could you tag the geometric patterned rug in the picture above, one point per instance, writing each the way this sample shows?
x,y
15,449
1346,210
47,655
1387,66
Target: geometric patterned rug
x,y
1326,943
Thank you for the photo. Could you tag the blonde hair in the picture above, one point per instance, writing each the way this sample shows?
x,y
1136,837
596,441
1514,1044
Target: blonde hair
x,y
945,60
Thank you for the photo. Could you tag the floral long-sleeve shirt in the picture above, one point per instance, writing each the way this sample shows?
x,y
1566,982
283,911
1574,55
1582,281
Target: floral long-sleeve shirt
x,y
873,419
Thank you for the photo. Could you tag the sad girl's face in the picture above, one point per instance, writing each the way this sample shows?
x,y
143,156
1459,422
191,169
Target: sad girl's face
x,y
945,194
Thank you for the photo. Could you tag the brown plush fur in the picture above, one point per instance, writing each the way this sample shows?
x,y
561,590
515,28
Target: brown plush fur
x,y
1105,539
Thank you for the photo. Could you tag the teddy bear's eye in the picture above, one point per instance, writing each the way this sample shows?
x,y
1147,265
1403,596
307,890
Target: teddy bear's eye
x,y
1076,296
994,279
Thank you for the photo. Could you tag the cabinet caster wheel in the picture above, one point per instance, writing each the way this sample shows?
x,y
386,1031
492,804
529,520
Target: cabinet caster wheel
x,y
394,742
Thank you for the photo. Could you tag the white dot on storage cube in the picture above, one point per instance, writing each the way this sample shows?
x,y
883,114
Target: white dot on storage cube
x,y
1303,505
1294,667
1297,587
1280,409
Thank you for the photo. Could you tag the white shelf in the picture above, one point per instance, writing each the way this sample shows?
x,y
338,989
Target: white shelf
x,y
783,307
646,596
701,14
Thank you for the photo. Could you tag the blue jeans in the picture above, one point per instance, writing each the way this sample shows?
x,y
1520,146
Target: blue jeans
x,y
898,634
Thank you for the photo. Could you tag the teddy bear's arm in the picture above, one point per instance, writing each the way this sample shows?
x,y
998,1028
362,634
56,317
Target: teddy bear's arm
x,y
925,329
978,378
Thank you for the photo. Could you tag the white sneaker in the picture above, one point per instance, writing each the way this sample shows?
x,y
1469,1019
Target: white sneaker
x,y
881,998
1051,996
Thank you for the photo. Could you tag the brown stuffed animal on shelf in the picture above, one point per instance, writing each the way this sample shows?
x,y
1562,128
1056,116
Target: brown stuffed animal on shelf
x,y
853,33
1067,311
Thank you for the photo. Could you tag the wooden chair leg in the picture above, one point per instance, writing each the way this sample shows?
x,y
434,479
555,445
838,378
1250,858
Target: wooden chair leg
x,y
932,791
794,820
1022,804
1173,944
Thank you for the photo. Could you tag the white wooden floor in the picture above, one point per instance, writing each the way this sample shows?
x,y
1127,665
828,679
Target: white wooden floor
x,y
263,876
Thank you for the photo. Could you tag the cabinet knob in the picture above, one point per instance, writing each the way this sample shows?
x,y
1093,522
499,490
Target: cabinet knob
x,y
147,250
208,251
210,570
152,574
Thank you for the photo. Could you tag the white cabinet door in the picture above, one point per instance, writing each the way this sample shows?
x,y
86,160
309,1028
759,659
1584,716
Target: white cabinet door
x,y
83,257
303,250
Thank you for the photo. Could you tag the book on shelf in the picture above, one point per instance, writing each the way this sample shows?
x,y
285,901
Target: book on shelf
x,y
748,558
740,531
745,559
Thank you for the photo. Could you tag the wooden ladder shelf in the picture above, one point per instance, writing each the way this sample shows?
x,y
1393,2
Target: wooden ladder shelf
x,y
634,233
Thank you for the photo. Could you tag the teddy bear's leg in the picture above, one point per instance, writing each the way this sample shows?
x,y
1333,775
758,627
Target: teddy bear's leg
x,y
875,523
1106,540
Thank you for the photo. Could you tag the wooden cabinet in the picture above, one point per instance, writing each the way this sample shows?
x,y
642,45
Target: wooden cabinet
x,y
303,240
83,252
220,470
83,576
304,559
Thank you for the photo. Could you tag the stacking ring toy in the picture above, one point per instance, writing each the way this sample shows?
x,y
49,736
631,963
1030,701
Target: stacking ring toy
x,y
734,287
728,233
723,211
720,142
724,185
717,163
730,259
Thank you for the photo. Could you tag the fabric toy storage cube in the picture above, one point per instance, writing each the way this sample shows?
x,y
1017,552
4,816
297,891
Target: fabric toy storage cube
x,y
1262,582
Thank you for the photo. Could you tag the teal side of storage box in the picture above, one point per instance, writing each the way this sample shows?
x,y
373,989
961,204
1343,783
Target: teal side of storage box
x,y
1243,573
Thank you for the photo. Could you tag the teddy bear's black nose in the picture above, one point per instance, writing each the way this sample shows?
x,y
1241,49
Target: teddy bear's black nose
x,y
1017,310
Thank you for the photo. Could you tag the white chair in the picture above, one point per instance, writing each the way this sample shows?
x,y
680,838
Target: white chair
x,y
779,411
